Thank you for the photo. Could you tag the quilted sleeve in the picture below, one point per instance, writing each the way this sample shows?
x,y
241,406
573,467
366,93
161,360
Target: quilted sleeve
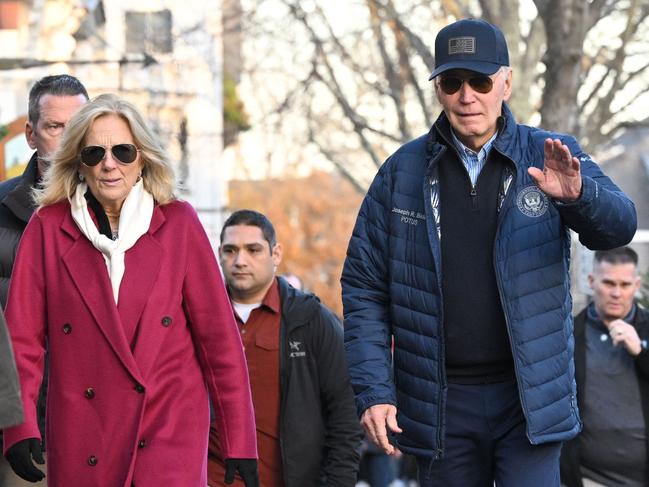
x,y
365,291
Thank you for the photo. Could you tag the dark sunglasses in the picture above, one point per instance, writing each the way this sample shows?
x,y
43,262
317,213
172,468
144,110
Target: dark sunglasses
x,y
452,84
94,154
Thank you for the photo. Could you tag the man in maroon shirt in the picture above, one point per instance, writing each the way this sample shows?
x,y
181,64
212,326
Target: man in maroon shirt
x,y
307,429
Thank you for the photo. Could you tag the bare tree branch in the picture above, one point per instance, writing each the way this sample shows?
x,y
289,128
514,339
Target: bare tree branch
x,y
358,122
487,12
333,158
630,124
565,36
634,74
415,41
543,5
596,10
394,81
408,73
346,56
602,111
453,8
597,86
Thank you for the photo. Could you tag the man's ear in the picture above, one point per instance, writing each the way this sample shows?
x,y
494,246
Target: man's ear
x,y
436,88
30,135
591,280
276,254
507,93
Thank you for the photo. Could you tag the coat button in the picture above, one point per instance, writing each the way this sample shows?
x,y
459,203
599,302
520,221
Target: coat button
x,y
139,388
67,328
166,321
90,393
141,444
92,460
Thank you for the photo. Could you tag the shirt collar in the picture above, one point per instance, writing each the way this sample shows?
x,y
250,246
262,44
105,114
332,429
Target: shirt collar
x,y
271,299
466,152
591,314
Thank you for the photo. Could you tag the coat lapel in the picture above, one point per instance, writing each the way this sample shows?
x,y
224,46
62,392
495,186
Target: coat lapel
x,y
142,268
87,269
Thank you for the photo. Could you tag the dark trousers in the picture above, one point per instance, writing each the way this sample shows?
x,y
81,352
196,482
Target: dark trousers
x,y
485,442
378,469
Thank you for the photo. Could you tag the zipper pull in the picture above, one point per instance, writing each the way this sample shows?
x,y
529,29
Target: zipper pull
x,y
474,198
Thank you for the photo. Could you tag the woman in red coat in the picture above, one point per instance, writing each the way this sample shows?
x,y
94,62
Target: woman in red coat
x,y
117,279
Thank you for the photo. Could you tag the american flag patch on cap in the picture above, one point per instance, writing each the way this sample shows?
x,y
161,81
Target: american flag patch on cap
x,y
461,45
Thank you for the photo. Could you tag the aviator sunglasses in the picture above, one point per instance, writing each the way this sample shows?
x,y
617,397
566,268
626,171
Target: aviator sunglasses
x,y
94,154
452,84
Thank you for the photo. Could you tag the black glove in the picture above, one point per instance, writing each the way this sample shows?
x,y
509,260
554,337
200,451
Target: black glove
x,y
247,468
20,457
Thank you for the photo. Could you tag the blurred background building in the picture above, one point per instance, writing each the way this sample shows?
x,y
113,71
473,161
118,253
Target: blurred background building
x,y
164,56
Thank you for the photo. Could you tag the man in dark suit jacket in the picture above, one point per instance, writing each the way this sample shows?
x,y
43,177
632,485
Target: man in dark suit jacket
x,y
612,373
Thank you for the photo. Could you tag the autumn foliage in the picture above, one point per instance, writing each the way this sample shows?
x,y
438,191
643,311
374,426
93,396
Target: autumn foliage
x,y
313,217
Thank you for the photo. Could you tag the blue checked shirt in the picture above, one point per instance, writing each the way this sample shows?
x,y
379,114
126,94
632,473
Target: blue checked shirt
x,y
473,161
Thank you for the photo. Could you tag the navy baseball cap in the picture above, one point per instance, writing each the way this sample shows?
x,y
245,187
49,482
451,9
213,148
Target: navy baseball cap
x,y
471,44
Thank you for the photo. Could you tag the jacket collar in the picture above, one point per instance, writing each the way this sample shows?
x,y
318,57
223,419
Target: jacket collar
x,y
637,316
298,305
441,131
19,200
594,318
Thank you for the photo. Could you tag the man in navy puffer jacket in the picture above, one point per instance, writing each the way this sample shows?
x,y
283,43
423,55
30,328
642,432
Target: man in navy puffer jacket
x,y
460,261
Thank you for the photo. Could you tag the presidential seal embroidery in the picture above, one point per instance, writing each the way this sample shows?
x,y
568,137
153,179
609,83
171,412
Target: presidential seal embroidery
x,y
532,202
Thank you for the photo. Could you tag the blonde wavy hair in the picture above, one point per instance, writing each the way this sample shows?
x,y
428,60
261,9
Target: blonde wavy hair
x,y
62,176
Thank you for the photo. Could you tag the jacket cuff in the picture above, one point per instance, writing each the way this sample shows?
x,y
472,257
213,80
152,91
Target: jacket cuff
x,y
366,403
13,435
589,191
644,352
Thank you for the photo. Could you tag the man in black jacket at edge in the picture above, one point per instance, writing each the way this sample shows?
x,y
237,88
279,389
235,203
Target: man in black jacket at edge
x,y
308,433
612,374
52,102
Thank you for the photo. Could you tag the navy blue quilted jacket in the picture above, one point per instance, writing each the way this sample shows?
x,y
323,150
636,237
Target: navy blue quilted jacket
x,y
392,283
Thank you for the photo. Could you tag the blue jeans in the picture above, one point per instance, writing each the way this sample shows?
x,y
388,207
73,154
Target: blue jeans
x,y
485,442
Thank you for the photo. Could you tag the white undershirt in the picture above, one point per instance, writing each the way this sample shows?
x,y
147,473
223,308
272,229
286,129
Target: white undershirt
x,y
243,310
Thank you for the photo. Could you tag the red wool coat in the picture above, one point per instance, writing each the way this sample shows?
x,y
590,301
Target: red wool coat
x,y
123,411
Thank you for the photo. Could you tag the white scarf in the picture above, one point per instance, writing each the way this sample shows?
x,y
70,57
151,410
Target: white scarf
x,y
134,221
